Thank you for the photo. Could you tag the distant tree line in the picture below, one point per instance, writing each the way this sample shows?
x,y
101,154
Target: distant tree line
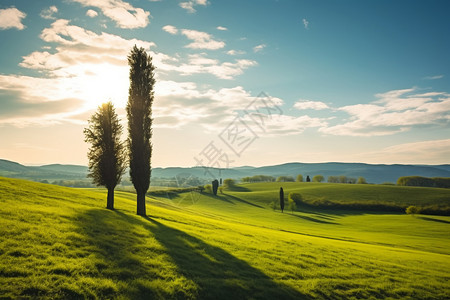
x,y
438,182
258,178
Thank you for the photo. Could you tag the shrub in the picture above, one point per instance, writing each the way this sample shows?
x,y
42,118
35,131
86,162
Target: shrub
x,y
208,188
285,179
412,210
299,178
229,183
291,205
318,178
296,197
361,180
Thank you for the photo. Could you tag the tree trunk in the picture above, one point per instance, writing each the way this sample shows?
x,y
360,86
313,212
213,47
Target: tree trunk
x,y
141,211
110,199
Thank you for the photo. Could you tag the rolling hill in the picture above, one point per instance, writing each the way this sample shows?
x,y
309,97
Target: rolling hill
x,y
372,173
61,243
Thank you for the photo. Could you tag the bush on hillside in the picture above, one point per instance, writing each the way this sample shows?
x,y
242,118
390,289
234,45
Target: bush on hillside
x,y
439,182
285,179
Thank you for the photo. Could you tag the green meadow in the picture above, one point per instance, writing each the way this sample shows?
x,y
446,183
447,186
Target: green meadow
x,y
61,243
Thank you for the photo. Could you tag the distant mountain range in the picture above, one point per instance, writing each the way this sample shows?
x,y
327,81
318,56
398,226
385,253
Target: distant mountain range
x,y
372,173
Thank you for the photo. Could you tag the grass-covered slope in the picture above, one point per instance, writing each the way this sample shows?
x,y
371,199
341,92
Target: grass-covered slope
x,y
367,197
61,243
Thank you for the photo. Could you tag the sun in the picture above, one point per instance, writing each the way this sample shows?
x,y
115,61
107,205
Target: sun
x,y
102,83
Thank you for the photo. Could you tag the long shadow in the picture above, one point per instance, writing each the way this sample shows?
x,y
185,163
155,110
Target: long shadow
x,y
243,201
214,272
307,218
434,220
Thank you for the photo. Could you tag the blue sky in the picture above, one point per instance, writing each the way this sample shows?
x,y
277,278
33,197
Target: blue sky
x,y
238,82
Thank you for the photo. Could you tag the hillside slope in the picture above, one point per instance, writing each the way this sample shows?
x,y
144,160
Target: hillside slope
x,y
60,243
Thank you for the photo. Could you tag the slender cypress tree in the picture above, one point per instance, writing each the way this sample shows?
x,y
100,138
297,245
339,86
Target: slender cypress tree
x,y
281,199
139,112
106,155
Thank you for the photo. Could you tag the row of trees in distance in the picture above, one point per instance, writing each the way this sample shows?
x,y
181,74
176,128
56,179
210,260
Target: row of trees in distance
x,y
300,178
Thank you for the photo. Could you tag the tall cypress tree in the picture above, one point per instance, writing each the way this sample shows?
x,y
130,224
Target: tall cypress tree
x,y
106,155
139,112
281,199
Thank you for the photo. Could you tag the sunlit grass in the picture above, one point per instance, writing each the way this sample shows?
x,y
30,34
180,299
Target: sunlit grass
x,y
61,243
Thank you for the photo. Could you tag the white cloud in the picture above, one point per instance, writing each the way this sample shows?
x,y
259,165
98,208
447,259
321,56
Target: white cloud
x,y
189,5
49,12
221,28
170,29
81,71
91,13
395,111
201,40
259,48
305,23
11,18
123,13
308,104
201,64
235,52
433,77
424,152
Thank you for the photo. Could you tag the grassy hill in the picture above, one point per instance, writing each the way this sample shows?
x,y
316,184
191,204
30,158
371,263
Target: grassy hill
x,y
61,243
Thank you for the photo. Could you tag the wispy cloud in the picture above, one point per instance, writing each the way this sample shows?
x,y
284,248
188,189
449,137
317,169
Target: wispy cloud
x,y
259,48
49,13
201,40
123,13
429,152
433,77
394,111
305,23
170,29
235,52
221,28
91,13
11,18
189,5
308,104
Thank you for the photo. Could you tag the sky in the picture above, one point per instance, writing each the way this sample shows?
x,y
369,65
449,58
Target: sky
x,y
238,83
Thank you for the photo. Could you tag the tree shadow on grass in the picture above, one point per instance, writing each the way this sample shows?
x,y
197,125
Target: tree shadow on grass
x,y
434,220
212,272
316,220
242,200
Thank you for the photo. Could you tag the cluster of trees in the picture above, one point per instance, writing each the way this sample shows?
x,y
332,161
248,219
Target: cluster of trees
x,y
345,179
439,182
258,178
108,155
294,199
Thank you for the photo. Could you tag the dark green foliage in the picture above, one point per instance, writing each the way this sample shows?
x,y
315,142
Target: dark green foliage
x,y
215,186
285,179
308,179
107,153
361,180
296,197
281,199
318,178
412,210
258,178
139,112
439,182
229,184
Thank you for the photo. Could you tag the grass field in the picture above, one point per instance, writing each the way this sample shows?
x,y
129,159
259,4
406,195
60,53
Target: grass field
x,y
61,243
